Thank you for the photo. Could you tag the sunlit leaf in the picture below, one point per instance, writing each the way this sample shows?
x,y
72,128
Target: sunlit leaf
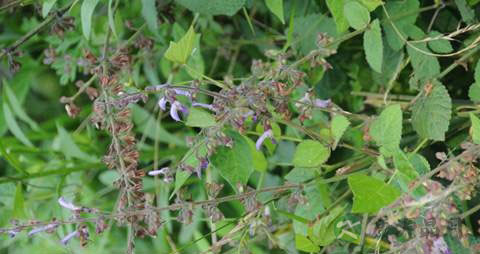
x,y
386,130
338,126
370,194
200,118
213,7
179,52
373,45
310,153
357,15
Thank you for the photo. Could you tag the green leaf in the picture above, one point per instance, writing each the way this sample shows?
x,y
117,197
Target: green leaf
x,y
200,118
323,231
235,164
259,162
304,244
17,107
357,15
386,130
111,19
477,72
307,27
336,9
276,7
19,203
371,4
298,175
179,52
474,92
149,13
424,66
439,45
467,13
373,46
339,125
86,12
431,113
69,148
108,177
13,125
310,153
213,7
475,128
407,13
190,159
370,194
47,6
11,159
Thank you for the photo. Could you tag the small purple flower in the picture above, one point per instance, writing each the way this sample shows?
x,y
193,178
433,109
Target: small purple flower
x,y
162,171
321,103
155,88
41,229
267,134
68,205
440,246
68,237
182,92
176,106
162,103
13,233
204,105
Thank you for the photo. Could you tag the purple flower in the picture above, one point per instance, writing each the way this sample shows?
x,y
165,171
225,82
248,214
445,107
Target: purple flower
x,y
68,205
267,134
41,229
203,105
13,233
182,92
68,237
155,88
162,171
176,106
440,246
321,103
162,103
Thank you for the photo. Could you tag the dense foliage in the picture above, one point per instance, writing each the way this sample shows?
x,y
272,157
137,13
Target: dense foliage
x,y
239,126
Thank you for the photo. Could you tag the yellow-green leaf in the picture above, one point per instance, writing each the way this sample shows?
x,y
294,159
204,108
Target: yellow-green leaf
x,y
179,52
276,7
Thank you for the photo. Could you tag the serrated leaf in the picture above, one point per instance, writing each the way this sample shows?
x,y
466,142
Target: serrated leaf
x,y
235,164
475,128
200,118
69,148
407,11
424,66
371,4
370,194
310,153
276,7
86,12
373,46
339,125
47,6
431,113
179,52
259,162
336,9
213,7
386,130
13,125
439,45
19,203
357,15
149,13
304,244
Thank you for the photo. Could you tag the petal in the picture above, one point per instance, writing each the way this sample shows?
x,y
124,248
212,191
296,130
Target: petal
x,y
321,103
174,111
261,139
162,103
161,171
203,105
68,204
182,92
68,237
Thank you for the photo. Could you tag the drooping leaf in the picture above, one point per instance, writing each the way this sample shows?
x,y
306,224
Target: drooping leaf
x,y
304,244
336,9
13,125
373,46
86,13
149,13
200,118
357,15
467,13
276,7
235,164
17,107
370,194
69,148
339,125
213,7
475,128
386,130
179,52
19,203
440,45
310,153
431,113
47,6
259,162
